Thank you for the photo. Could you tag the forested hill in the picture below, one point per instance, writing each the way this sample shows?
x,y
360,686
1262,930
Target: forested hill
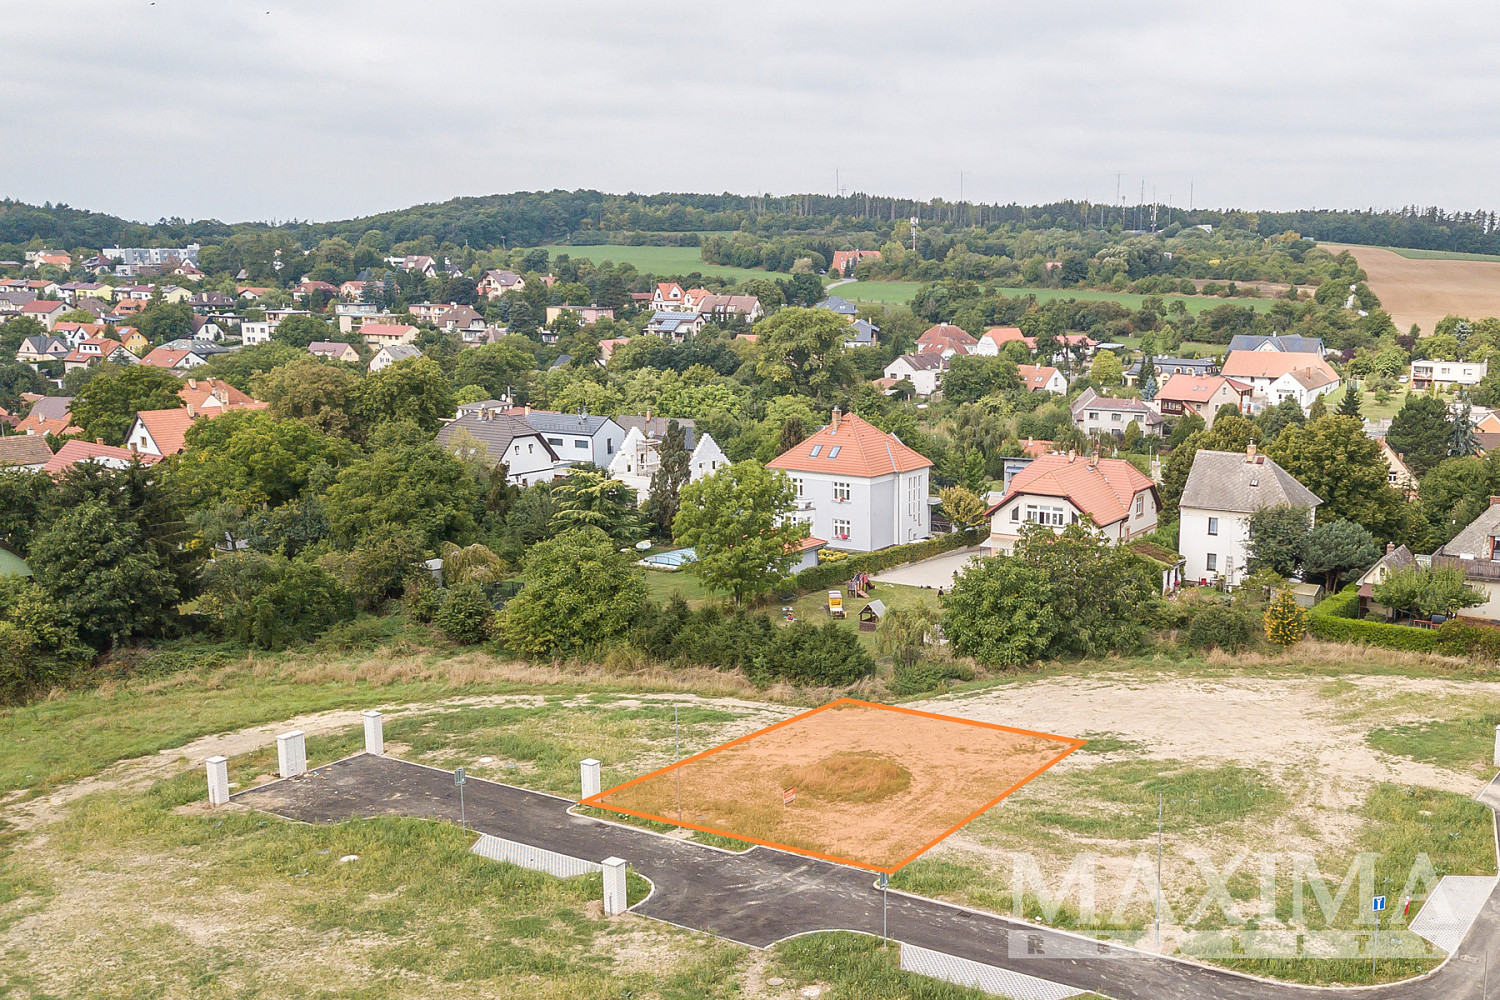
x,y
531,218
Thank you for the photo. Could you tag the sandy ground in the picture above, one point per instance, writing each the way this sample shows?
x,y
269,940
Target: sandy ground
x,y
954,769
1424,291
939,571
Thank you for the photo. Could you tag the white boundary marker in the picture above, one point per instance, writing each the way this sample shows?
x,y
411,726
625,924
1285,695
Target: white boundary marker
x,y
218,780
588,777
291,753
615,901
374,733
977,976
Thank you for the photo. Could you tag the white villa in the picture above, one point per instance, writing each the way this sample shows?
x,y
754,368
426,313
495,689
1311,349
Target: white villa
x,y
1223,489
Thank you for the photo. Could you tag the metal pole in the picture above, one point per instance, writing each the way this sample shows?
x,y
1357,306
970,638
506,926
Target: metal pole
x,y
463,818
1374,944
677,758
1160,812
885,891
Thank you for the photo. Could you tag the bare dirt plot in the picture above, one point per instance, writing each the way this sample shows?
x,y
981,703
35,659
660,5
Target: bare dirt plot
x,y
869,785
1424,291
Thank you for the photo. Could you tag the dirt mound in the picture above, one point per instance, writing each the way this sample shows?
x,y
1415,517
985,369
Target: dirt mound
x,y
849,777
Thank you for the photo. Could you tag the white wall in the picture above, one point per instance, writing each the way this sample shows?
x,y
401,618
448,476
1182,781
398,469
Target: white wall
x,y
1194,543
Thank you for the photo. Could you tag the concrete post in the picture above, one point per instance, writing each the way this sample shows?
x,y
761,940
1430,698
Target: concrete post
x,y
589,774
291,753
218,781
374,733
1497,746
614,886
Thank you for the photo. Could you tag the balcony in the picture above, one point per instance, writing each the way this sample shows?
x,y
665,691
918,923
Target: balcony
x,y
1474,569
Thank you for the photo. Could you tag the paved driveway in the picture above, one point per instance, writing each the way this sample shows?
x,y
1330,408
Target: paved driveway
x,y
935,572
763,896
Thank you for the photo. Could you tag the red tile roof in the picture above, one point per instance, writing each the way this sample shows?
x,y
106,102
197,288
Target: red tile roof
x,y
1035,377
1102,488
1197,388
1272,364
850,446
946,336
197,391
75,451
43,306
168,428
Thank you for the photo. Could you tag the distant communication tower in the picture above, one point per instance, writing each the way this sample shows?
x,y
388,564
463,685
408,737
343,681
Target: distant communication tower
x,y
913,234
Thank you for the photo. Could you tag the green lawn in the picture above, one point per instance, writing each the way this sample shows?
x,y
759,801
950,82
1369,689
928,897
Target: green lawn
x,y
663,261
661,585
1412,254
895,292
810,607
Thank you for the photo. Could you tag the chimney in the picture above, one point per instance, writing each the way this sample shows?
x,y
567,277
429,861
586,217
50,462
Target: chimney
x,y
1390,547
1072,456
1494,501
1250,452
834,423
192,383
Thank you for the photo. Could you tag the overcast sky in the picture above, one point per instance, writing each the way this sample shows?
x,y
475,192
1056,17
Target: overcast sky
x,y
326,109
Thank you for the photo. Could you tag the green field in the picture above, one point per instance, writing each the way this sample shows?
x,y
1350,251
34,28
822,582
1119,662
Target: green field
x,y
900,292
664,261
1412,254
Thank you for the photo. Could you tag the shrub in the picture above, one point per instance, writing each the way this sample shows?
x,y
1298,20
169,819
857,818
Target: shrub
x,y
1222,627
1334,620
271,602
1286,621
929,676
465,615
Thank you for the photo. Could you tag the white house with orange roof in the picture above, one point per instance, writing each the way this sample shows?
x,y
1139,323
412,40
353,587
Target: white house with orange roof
x,y
1058,490
1279,375
669,297
858,487
1203,395
993,340
947,340
1042,378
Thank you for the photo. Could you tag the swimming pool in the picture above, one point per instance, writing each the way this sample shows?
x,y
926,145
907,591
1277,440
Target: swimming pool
x,y
675,559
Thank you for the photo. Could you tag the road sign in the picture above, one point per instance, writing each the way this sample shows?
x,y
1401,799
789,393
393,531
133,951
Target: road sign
x,y
789,796
458,776
885,880
1377,904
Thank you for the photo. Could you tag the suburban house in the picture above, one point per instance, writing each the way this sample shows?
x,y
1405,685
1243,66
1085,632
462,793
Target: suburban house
x,y
839,307
309,288
44,311
947,340
1058,490
862,333
1275,375
155,434
845,261
381,334
1093,413
1398,475
993,340
1042,378
75,452
49,415
923,371
1289,343
607,348
1396,557
493,284
134,340
179,360
1447,374
390,354
460,319
207,394
420,263
575,437
640,455
1203,395
334,350
676,326
1476,551
24,452
1223,489
668,296
858,487
587,315
207,328
1167,367
728,308
96,349
41,348
527,456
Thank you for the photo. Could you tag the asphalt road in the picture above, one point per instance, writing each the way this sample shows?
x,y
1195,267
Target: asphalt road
x,y
764,896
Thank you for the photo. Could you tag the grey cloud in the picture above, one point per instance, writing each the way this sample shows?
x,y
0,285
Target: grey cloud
x,y
334,108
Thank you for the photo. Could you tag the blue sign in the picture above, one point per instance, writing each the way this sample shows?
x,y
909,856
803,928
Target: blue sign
x,y
1377,903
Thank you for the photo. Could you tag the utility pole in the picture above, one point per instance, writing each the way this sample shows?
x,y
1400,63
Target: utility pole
x,y
677,758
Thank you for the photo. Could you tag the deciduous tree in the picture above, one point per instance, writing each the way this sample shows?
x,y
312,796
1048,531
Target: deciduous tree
x,y
736,521
580,593
106,407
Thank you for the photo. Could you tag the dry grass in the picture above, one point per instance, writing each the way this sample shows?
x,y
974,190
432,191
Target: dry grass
x,y
849,777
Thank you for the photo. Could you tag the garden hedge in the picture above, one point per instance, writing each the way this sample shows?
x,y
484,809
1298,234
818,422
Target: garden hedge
x,y
1334,619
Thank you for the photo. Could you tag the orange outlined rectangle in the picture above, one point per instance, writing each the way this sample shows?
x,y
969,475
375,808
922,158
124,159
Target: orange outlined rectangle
x,y
876,785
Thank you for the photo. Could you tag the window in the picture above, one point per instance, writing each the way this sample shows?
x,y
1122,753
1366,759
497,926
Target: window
x,y
1140,506
1213,562
797,485
841,530
841,492
580,444
1115,417
816,448
1213,526
1015,513
834,452
1051,516
1093,414
609,446
555,441
913,498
